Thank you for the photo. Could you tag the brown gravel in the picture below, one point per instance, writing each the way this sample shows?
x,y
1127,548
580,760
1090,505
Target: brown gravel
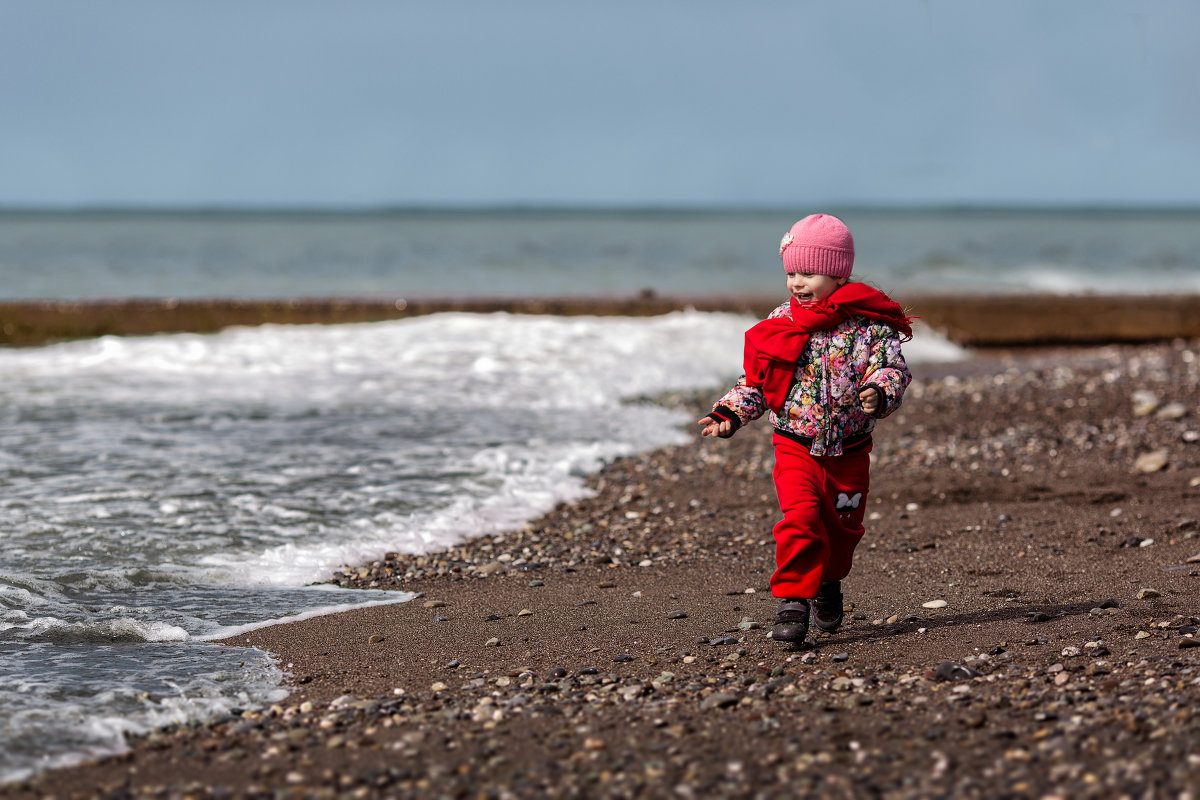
x,y
617,647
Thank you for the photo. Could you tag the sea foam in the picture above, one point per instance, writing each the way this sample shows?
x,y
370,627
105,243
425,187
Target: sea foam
x,y
165,491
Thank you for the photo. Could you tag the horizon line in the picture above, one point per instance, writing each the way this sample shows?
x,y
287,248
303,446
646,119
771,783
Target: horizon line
x,y
591,208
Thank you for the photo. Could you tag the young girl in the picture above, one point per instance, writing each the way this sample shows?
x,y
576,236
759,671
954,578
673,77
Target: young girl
x,y
827,364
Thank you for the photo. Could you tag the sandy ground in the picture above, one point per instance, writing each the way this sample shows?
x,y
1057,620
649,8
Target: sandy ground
x,y
1022,623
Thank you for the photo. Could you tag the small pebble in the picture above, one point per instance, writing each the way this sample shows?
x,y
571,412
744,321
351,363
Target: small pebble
x,y
953,671
1172,411
1145,403
718,700
1151,462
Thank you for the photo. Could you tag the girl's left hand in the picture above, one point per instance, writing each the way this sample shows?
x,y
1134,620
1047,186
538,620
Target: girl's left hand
x,y
869,399
712,426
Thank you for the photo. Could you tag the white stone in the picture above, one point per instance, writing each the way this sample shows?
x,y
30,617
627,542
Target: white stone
x,y
1172,411
1145,403
1151,462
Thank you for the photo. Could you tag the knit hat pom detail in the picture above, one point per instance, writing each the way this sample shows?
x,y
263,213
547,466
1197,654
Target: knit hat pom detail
x,y
819,244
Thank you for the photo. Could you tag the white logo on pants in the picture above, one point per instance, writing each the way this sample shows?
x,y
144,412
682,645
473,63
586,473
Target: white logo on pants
x,y
845,501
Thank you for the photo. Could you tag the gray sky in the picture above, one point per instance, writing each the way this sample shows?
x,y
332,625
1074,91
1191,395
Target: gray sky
x,y
696,102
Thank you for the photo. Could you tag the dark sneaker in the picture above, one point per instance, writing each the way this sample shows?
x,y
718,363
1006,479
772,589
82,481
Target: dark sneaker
x,y
827,607
791,623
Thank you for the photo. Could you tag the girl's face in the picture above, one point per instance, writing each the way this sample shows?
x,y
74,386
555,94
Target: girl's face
x,y
809,288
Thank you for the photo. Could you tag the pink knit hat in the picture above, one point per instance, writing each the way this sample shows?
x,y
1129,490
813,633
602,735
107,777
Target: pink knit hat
x,y
820,244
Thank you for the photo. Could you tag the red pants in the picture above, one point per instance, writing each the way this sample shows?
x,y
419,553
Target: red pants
x,y
823,500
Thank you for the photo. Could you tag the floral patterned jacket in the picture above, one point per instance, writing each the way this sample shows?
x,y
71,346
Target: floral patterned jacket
x,y
822,409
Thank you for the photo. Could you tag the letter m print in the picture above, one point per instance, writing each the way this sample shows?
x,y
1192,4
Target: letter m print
x,y
845,501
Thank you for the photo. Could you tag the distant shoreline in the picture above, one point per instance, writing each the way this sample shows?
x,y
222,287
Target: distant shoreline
x,y
967,320
368,209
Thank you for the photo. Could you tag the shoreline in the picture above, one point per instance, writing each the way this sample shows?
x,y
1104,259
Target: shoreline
x,y
617,646
967,320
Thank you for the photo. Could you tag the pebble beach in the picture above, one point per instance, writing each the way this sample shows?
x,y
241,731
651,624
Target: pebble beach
x,y
1021,622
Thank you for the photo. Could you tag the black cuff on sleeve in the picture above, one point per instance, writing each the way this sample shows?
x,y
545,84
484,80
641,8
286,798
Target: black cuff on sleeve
x,y
883,399
724,413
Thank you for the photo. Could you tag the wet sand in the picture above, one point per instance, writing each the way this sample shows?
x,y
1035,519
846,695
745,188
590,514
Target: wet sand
x,y
1022,623
972,320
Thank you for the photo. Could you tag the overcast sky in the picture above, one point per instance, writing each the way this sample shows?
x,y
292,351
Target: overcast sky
x,y
696,102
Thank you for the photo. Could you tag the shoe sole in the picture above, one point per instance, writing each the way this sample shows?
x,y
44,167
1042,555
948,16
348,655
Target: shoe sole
x,y
788,640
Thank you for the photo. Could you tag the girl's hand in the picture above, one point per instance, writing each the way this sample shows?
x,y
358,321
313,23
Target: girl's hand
x,y
715,427
869,399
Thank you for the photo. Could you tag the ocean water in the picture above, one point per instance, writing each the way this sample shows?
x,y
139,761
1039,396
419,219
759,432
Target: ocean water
x,y
163,492
557,253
